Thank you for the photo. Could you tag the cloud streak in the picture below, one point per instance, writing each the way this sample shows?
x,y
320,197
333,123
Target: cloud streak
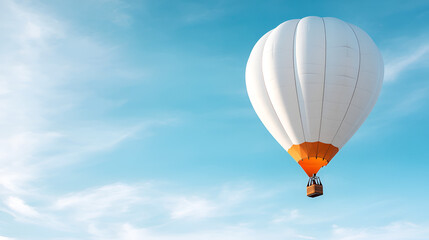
x,y
95,203
6,238
20,207
401,64
49,117
156,211
48,121
394,231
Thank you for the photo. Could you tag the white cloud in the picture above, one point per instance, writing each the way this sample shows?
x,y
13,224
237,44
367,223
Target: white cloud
x,y
127,231
26,94
94,203
119,198
157,212
398,65
287,216
127,204
44,100
49,120
165,214
217,204
393,231
23,212
193,207
6,238
20,207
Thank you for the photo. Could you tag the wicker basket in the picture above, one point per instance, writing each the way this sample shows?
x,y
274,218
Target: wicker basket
x,y
314,190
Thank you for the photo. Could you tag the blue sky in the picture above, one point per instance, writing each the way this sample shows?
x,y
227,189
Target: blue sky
x,y
129,120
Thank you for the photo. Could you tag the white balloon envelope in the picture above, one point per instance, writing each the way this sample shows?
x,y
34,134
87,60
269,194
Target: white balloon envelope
x,y
313,82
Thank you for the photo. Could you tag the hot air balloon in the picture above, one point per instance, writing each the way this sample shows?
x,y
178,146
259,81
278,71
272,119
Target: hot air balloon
x,y
312,82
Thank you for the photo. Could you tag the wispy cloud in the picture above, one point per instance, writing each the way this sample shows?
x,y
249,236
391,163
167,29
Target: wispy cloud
x,y
200,207
24,85
400,64
18,206
193,207
119,198
128,205
94,203
287,216
394,231
127,231
160,211
45,101
6,238
49,118
25,213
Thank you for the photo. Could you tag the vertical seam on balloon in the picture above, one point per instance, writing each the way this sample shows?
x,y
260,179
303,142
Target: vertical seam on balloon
x,y
373,98
354,90
269,98
266,90
324,86
295,78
